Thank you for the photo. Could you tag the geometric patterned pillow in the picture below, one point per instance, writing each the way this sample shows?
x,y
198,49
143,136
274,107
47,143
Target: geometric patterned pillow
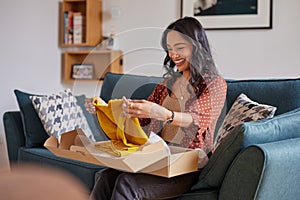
x,y
243,110
59,113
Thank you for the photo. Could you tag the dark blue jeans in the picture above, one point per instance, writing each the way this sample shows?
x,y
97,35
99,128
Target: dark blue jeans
x,y
116,185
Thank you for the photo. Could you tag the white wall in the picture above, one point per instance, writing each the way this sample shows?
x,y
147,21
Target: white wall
x,y
239,53
30,56
262,53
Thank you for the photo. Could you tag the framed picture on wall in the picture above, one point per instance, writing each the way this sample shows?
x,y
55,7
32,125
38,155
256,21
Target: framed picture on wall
x,y
82,71
230,14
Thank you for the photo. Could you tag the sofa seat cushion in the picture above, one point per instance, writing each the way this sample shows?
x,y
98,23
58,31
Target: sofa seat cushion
x,y
200,195
84,171
280,127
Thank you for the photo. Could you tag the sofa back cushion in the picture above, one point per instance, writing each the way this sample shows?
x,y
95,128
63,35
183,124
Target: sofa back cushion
x,y
92,120
131,86
34,132
280,127
282,93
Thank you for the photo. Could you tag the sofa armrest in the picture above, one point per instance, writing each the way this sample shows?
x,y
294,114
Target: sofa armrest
x,y
264,171
14,133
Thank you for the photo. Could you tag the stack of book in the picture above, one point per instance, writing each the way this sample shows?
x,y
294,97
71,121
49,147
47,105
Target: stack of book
x,y
74,27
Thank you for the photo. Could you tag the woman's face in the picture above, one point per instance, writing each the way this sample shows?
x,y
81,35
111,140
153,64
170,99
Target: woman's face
x,y
180,50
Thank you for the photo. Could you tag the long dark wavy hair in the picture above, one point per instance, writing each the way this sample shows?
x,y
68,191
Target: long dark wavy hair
x,y
202,65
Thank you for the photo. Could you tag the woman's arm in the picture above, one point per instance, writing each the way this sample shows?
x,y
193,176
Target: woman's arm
x,y
148,109
205,112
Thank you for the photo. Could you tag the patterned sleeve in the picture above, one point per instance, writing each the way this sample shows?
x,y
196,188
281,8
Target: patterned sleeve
x,y
205,112
157,96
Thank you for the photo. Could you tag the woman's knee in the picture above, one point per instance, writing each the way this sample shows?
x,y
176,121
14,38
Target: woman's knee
x,y
126,186
127,180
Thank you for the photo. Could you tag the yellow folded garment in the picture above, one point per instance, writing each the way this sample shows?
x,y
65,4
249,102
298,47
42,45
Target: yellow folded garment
x,y
111,148
125,134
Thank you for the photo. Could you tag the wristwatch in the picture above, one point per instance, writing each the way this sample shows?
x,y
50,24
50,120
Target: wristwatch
x,y
170,120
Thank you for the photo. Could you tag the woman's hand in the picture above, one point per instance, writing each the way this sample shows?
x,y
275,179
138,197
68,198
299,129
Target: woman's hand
x,y
144,109
89,106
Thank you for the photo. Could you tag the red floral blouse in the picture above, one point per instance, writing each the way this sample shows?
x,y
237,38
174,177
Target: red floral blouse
x,y
205,112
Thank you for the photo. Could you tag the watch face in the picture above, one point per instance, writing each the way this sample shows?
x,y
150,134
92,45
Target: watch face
x,y
170,121
172,117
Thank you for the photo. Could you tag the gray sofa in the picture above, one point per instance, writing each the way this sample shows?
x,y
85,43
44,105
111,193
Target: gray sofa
x,y
258,160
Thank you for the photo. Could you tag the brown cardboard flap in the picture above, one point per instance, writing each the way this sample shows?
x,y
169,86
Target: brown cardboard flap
x,y
51,142
67,139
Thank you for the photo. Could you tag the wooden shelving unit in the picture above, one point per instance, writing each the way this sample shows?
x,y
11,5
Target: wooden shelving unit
x,y
102,61
81,54
91,10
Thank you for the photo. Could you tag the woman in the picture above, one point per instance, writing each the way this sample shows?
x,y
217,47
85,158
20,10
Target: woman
x,y
183,110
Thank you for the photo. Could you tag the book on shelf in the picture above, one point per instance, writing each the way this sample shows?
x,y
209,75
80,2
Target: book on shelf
x,y
77,27
70,28
83,29
74,27
66,26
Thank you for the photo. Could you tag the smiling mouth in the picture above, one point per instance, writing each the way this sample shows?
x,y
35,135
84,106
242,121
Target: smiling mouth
x,y
179,62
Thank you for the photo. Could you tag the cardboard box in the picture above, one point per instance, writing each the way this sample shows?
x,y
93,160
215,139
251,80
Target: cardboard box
x,y
181,161
152,158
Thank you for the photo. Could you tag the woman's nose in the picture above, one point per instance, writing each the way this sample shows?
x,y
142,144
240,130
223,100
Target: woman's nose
x,y
174,54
